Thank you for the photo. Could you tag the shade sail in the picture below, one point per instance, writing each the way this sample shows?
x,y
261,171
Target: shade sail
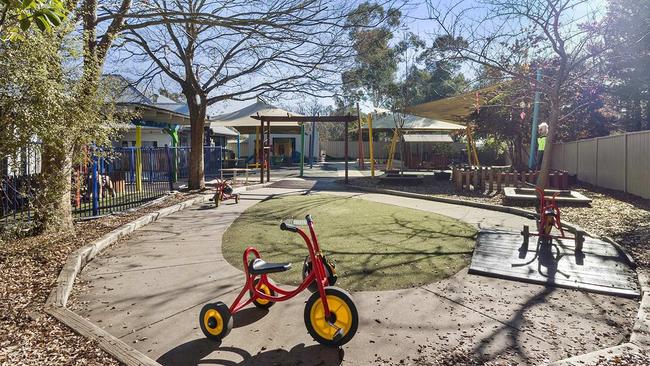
x,y
244,123
427,138
456,108
386,121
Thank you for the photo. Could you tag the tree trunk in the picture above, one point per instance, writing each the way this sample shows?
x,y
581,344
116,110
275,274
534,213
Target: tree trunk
x,y
197,123
53,205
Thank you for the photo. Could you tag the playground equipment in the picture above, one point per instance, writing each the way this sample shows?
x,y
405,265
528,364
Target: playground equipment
x,y
549,218
224,192
330,315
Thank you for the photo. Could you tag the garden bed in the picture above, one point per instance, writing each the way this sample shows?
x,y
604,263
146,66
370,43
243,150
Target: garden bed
x,y
28,270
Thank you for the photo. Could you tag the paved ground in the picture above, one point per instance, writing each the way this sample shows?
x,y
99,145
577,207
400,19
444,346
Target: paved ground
x,y
148,290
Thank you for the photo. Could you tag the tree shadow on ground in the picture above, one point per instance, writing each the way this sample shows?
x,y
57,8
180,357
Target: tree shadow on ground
x,y
198,351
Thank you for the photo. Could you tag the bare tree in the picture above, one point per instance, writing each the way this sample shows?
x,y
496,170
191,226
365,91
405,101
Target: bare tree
x,y
515,36
55,212
238,50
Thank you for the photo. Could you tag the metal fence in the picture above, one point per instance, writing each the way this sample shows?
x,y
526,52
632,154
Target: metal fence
x,y
18,186
121,178
106,181
619,162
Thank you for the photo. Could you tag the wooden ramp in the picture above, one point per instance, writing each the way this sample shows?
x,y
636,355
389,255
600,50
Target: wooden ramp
x,y
603,268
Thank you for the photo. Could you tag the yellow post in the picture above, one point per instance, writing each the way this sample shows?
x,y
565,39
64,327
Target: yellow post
x,y
138,158
372,155
391,152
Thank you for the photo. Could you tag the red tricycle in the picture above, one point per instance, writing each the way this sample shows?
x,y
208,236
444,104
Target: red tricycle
x,y
224,192
330,315
549,218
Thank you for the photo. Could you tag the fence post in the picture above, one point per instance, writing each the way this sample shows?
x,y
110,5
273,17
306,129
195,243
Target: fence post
x,y
219,161
95,202
170,168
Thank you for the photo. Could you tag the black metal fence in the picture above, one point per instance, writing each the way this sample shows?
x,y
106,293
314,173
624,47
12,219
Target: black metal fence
x,y
121,178
18,187
108,180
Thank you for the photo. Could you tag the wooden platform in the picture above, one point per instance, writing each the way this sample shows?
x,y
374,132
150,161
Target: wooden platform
x,y
603,268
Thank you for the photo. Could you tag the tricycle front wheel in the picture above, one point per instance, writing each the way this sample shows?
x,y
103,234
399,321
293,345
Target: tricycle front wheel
x,y
343,322
215,321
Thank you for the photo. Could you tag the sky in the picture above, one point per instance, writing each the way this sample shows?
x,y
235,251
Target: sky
x,y
415,21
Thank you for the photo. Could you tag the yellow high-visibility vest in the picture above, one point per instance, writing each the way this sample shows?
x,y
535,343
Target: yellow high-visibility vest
x,y
541,143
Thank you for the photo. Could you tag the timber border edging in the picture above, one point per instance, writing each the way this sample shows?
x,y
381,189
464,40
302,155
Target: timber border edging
x,y
55,305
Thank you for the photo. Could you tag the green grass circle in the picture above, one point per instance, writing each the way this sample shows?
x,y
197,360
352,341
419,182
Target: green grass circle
x,y
376,246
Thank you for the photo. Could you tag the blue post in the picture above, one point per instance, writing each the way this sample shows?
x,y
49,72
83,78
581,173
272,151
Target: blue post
x,y
95,203
533,133
238,143
170,168
132,170
219,162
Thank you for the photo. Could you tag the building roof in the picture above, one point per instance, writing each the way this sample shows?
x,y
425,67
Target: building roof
x,y
386,121
427,138
243,121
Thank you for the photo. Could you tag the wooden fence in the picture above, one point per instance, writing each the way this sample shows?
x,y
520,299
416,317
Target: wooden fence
x,y
487,179
619,162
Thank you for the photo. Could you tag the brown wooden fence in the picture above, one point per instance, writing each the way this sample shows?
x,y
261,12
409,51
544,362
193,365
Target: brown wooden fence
x,y
494,179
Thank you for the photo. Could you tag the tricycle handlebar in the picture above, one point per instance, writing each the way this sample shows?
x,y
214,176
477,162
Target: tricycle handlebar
x,y
287,227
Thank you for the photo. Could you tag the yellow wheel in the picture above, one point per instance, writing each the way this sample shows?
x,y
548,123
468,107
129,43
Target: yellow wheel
x,y
215,320
261,303
343,322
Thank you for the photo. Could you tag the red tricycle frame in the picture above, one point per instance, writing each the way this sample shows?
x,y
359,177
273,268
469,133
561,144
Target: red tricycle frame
x,y
549,217
318,274
220,195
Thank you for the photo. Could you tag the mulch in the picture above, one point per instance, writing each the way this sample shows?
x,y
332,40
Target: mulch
x,y
623,217
28,270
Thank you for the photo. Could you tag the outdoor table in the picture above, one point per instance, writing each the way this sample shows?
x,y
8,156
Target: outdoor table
x,y
234,172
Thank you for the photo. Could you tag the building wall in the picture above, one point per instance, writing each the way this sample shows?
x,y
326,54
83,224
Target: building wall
x,y
151,137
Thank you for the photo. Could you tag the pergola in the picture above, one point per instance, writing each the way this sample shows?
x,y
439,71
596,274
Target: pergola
x,y
266,142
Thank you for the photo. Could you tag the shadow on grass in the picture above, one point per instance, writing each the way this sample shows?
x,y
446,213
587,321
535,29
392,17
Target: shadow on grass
x,y
199,351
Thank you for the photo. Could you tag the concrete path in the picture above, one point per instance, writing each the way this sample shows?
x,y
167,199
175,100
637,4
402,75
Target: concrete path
x,y
148,290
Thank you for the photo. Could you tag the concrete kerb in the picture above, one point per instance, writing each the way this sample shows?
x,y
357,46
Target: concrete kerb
x,y
55,305
640,337
487,206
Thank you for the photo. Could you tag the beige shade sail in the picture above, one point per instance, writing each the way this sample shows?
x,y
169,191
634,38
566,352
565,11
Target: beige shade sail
x,y
386,121
243,121
456,108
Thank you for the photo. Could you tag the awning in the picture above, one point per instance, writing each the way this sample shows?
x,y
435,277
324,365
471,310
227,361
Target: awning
x,y
386,121
223,131
244,123
456,108
427,138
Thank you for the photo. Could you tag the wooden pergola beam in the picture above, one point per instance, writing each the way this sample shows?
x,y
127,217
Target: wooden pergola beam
x,y
266,145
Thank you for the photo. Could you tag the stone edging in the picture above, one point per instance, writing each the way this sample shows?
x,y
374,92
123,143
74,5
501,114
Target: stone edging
x,y
640,337
55,305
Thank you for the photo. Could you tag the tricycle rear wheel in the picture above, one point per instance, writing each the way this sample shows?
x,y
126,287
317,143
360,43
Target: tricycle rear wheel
x,y
215,321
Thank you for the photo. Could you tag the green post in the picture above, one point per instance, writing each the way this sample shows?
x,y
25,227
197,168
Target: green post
x,y
302,148
533,133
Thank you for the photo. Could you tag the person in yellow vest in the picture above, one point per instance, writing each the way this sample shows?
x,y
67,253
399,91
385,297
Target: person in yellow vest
x,y
542,132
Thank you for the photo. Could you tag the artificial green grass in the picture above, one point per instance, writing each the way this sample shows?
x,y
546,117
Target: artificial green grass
x,y
376,246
